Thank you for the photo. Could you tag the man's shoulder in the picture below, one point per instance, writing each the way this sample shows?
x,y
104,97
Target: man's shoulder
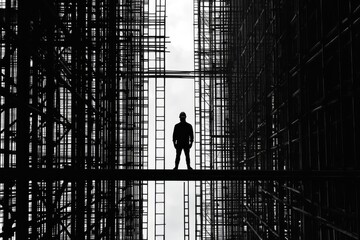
x,y
182,124
178,125
188,124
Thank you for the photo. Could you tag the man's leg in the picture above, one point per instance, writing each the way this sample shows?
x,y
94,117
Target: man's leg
x,y
177,159
187,155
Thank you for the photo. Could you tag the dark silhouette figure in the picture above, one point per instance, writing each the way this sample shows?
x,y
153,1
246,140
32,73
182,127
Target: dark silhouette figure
x,y
183,138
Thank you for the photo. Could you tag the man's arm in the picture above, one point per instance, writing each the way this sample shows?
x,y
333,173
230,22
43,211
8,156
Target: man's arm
x,y
191,135
174,136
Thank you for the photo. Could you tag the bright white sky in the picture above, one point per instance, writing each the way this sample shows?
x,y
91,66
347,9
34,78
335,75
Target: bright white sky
x,y
179,97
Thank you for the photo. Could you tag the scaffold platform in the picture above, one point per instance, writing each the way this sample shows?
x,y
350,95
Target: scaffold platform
x,y
175,175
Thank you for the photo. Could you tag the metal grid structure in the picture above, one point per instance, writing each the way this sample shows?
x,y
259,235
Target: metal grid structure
x,y
277,88
158,67
74,95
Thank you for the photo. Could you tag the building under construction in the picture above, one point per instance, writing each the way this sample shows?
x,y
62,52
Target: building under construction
x,y
277,127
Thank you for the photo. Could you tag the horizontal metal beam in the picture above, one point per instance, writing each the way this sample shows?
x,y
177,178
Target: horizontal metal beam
x,y
174,175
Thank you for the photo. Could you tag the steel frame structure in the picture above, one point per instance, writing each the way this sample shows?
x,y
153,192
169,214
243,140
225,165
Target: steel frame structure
x,y
74,96
276,88
158,68
276,119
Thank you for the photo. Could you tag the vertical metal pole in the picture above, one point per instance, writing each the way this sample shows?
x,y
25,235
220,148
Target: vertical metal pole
x,y
78,117
112,108
50,88
23,117
98,118
90,207
7,219
198,46
186,210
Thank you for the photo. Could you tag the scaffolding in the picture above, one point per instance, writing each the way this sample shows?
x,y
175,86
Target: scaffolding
x,y
276,89
159,77
277,99
74,96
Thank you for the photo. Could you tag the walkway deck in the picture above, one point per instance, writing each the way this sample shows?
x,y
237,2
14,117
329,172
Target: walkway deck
x,y
174,175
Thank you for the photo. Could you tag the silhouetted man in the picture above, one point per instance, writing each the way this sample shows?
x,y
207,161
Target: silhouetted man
x,y
183,138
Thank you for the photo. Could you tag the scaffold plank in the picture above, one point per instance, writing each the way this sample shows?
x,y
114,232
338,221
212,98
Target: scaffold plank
x,y
175,175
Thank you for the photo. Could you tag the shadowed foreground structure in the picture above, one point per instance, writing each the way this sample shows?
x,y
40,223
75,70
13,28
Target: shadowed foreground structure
x,y
277,99
277,88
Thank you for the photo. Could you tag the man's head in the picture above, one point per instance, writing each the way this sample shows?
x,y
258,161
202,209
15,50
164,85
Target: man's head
x,y
182,116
